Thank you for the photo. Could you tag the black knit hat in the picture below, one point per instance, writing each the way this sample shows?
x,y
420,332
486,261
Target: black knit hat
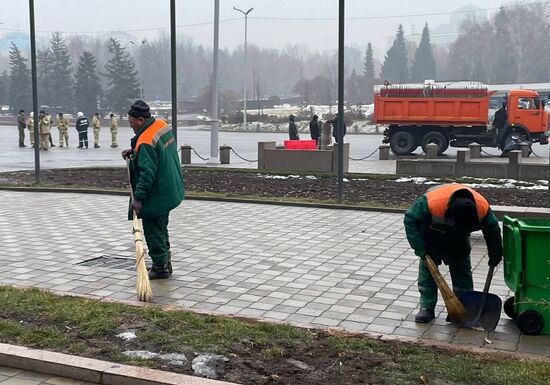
x,y
139,109
463,211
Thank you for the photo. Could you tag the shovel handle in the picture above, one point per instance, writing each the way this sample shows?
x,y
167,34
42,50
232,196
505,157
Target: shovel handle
x,y
489,278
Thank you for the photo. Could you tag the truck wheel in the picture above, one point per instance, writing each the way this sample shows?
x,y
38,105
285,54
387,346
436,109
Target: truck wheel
x,y
530,322
437,138
509,308
402,143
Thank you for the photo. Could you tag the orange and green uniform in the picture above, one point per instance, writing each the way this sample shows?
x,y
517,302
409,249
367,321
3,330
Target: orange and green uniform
x,y
157,181
429,231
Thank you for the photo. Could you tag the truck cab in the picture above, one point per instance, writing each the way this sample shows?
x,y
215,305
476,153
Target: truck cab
x,y
526,118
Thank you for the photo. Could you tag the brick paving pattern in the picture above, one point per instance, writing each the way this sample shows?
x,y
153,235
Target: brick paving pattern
x,y
10,376
306,266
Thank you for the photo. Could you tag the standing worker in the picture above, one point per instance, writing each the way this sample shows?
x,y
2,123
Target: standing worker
x,y
500,123
81,126
157,183
292,129
63,127
335,132
30,127
45,130
50,139
21,127
96,125
114,130
439,224
314,129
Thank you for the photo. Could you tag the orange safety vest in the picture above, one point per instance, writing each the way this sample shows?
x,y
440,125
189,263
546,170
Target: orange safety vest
x,y
438,200
152,134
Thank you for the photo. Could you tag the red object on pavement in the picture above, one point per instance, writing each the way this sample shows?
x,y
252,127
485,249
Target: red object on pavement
x,y
300,144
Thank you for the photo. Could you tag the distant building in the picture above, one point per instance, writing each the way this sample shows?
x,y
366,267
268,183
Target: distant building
x,y
446,34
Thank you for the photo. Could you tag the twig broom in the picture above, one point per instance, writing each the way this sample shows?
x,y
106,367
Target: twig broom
x,y
143,286
455,308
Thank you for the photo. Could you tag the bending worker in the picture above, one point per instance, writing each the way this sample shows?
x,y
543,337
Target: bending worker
x,y
439,224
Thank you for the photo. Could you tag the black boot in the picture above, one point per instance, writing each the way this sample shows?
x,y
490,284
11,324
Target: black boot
x,y
158,273
424,316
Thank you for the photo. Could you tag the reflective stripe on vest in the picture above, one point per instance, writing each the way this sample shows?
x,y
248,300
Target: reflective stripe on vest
x,y
152,134
438,200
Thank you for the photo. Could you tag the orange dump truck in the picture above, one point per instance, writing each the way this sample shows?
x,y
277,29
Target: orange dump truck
x,y
418,115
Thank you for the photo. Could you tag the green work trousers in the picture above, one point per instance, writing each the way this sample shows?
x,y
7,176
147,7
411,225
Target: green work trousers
x,y
21,136
156,235
461,276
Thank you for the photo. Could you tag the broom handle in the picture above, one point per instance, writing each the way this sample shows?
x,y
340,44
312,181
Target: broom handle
x,y
130,182
437,276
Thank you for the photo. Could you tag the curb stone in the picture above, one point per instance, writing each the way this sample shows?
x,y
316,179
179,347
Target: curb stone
x,y
92,370
499,211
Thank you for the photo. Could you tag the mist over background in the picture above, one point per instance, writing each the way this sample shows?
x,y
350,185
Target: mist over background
x,y
291,47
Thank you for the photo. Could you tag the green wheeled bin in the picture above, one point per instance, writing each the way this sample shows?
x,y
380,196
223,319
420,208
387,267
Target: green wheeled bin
x,y
527,273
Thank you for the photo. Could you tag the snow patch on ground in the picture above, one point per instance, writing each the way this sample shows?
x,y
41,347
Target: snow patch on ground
x,y
268,176
489,183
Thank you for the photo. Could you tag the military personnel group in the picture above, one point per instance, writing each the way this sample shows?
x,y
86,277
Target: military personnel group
x,y
45,123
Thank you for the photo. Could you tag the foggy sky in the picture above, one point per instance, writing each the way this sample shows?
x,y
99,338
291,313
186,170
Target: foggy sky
x,y
145,18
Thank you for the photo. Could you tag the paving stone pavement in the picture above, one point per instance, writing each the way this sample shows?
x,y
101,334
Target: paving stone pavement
x,y
308,266
11,376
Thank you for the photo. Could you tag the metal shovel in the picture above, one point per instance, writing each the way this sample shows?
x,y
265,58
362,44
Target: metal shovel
x,y
482,308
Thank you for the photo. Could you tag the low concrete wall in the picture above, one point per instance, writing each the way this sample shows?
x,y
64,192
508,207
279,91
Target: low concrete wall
x,y
271,157
464,166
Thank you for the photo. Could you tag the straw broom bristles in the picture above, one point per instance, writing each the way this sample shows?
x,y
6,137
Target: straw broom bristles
x,y
143,286
455,308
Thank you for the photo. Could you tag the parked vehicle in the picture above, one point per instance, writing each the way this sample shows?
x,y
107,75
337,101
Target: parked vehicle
x,y
457,116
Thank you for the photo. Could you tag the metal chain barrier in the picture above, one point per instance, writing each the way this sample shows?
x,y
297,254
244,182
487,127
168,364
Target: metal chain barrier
x,y
365,157
197,154
246,160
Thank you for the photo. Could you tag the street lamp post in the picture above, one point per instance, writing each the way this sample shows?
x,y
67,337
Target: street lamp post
x,y
245,59
215,128
34,94
340,133
141,72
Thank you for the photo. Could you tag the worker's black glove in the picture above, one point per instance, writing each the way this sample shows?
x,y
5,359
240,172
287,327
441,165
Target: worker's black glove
x,y
136,205
126,153
494,260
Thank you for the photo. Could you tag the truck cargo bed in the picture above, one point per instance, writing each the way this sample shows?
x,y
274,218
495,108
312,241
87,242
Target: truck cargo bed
x,y
431,111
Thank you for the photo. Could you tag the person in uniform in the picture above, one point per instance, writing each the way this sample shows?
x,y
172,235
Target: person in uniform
x,y
21,127
114,130
439,224
63,127
96,125
157,183
81,126
45,130
30,127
